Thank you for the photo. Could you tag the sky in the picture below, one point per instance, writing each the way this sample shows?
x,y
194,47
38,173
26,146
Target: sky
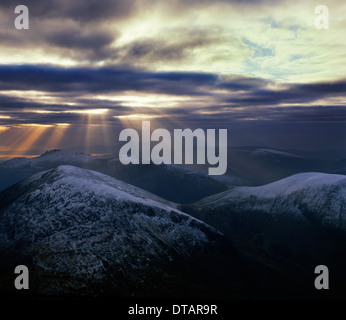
x,y
84,70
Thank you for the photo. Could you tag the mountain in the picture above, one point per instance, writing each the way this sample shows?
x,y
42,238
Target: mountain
x,y
257,165
260,165
247,166
299,220
17,169
81,232
172,182
321,195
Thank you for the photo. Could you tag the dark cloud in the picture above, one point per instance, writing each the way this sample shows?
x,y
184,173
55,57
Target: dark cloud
x,y
71,29
182,6
78,10
80,30
67,41
81,43
294,114
83,40
178,45
244,105
151,50
98,80
296,93
242,83
81,80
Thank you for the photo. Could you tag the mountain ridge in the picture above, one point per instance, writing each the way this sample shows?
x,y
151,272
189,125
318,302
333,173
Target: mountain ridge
x,y
296,223
322,194
82,232
173,182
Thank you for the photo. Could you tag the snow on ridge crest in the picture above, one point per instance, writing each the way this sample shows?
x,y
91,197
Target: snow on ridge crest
x,y
67,181
319,195
295,183
102,185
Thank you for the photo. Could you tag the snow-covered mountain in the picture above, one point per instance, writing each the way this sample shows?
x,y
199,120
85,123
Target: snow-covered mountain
x,y
306,196
82,232
299,220
173,182
17,169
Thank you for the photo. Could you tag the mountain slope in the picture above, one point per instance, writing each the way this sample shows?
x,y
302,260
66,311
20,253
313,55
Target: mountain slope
x,y
299,220
316,196
82,232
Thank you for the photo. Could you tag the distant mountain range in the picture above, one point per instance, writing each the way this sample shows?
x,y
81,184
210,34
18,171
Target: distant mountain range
x,y
172,182
248,166
259,165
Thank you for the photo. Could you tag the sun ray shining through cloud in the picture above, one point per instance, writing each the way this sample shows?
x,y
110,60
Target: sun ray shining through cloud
x,y
32,135
177,64
53,139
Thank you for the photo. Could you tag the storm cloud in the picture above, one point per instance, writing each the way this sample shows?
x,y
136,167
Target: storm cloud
x,y
257,67
240,99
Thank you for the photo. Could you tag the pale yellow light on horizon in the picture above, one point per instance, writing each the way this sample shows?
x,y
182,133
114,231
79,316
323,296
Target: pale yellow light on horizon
x,y
145,100
4,128
89,111
33,125
137,117
39,111
63,124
